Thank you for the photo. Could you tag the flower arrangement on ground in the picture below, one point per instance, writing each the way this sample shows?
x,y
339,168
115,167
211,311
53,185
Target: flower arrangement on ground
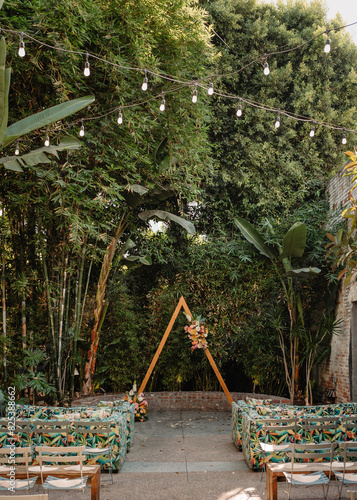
x,y
141,405
197,333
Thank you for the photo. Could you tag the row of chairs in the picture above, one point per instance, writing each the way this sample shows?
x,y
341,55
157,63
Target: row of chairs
x,y
298,454
302,447
48,458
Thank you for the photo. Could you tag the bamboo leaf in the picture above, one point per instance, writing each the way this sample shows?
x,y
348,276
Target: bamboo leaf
x,y
44,118
161,214
253,236
331,237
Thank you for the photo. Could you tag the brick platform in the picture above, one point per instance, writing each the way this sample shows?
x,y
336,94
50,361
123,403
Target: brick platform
x,y
185,401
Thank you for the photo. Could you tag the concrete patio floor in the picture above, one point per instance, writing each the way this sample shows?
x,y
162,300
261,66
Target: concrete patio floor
x,y
187,455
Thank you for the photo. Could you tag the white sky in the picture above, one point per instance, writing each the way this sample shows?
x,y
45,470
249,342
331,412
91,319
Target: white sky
x,y
348,11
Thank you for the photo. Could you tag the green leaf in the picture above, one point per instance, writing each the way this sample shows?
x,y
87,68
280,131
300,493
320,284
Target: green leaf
x,y
253,236
305,272
44,118
294,241
40,155
161,214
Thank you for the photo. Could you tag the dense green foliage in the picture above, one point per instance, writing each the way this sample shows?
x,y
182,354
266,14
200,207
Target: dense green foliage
x,y
263,170
59,219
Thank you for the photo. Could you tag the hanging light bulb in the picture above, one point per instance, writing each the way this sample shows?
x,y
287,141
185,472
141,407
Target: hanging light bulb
x,y
266,70
162,105
81,131
327,47
86,66
22,46
145,82
120,118
17,149
277,122
312,132
194,95
239,111
47,140
344,138
210,89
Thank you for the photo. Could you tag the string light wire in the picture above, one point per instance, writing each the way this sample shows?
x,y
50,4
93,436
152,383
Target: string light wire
x,y
197,82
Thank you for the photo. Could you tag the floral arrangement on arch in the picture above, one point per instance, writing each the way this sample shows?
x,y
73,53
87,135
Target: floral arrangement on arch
x,y
141,405
197,333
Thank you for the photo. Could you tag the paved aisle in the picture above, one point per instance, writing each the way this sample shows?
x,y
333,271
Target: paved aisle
x,y
185,456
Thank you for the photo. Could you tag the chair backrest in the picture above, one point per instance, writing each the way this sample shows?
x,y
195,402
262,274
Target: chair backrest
x,y
349,450
313,426
17,455
60,454
51,432
312,452
274,425
92,427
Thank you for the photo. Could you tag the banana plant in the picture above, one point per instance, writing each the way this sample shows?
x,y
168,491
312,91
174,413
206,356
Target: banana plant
x,y
292,246
135,196
9,134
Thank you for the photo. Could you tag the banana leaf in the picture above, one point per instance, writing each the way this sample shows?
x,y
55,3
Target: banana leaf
x,y
294,241
41,155
253,236
44,118
161,214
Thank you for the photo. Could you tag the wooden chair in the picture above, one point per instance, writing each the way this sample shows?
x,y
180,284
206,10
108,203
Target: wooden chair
x,y
20,456
310,452
73,456
275,429
348,451
100,429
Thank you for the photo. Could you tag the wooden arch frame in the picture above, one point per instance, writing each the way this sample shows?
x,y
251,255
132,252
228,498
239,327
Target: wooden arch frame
x,y
182,304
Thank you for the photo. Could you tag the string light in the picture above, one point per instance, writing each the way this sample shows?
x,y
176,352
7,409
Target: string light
x,y
344,138
266,70
327,47
239,111
22,52
277,121
17,149
86,66
210,89
194,95
186,83
120,118
162,105
47,140
145,82
312,131
81,131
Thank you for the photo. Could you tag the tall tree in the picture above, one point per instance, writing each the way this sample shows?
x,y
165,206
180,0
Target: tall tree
x,y
265,170
63,215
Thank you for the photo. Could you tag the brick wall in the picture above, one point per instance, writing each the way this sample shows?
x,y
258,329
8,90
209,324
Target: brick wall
x,y
176,401
335,372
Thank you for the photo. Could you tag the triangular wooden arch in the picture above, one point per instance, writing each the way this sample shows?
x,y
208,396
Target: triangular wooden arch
x,y
182,303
